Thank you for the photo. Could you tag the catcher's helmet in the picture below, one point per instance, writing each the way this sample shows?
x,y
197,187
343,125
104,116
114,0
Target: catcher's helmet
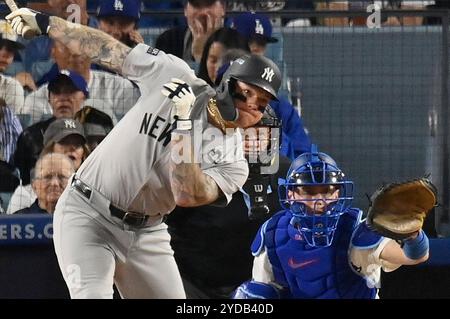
x,y
316,216
252,69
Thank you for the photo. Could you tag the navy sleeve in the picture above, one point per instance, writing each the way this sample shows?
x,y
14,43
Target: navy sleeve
x,y
294,137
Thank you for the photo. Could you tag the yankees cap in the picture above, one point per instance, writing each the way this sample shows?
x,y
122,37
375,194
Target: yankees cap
x,y
61,128
252,25
123,8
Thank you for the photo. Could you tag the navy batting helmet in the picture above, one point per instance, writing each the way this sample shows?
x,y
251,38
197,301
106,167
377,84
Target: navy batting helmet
x,y
256,70
252,69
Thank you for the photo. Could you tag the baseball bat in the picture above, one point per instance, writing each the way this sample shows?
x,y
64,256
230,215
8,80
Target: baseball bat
x,y
27,32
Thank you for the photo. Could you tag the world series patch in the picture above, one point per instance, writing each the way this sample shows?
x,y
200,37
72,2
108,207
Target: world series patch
x,y
153,51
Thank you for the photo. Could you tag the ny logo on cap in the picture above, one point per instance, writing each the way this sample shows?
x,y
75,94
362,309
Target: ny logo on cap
x,y
268,74
70,124
118,5
259,29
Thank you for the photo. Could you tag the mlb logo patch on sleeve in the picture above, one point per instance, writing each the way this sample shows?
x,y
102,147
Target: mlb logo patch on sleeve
x,y
153,51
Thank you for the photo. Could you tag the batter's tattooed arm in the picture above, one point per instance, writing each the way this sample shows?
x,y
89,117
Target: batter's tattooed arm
x,y
190,186
95,44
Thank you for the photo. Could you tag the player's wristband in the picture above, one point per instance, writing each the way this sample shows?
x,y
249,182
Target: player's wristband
x,y
416,248
43,22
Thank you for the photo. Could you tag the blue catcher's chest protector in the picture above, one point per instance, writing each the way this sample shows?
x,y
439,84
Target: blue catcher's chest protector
x,y
310,272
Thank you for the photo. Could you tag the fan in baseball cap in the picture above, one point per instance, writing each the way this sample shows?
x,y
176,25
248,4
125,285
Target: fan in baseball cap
x,y
122,8
254,26
62,128
67,81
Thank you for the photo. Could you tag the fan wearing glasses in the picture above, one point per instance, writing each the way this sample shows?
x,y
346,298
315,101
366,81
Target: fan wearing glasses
x,y
49,178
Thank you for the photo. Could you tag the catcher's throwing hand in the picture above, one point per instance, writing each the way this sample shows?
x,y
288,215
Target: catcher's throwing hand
x,y
183,98
398,210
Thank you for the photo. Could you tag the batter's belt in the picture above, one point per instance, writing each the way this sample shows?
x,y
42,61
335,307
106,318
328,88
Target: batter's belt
x,y
130,218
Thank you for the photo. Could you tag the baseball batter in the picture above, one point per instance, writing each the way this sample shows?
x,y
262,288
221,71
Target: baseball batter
x,y
108,222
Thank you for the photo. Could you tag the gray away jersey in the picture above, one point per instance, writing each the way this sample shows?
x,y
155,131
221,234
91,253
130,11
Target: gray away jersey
x,y
131,166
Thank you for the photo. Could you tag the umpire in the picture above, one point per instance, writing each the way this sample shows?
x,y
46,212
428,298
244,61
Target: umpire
x,y
212,244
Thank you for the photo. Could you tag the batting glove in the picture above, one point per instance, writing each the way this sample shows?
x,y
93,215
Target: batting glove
x,y
25,20
183,99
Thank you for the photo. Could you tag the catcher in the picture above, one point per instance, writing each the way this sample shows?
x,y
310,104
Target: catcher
x,y
318,247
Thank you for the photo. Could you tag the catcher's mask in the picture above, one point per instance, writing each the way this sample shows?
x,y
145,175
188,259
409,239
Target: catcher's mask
x,y
317,193
251,69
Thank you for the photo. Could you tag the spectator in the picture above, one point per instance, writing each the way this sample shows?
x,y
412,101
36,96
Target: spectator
x,y
208,238
67,93
11,91
221,40
257,30
10,130
51,175
64,136
187,42
120,19
36,57
11,99
108,92
96,125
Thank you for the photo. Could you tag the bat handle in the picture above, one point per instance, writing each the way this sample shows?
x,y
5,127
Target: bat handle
x,y
27,32
12,5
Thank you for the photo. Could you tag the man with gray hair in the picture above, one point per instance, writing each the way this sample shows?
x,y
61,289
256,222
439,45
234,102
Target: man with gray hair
x,y
50,176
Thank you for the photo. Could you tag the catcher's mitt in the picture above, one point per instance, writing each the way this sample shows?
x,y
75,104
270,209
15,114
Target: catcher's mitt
x,y
398,210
